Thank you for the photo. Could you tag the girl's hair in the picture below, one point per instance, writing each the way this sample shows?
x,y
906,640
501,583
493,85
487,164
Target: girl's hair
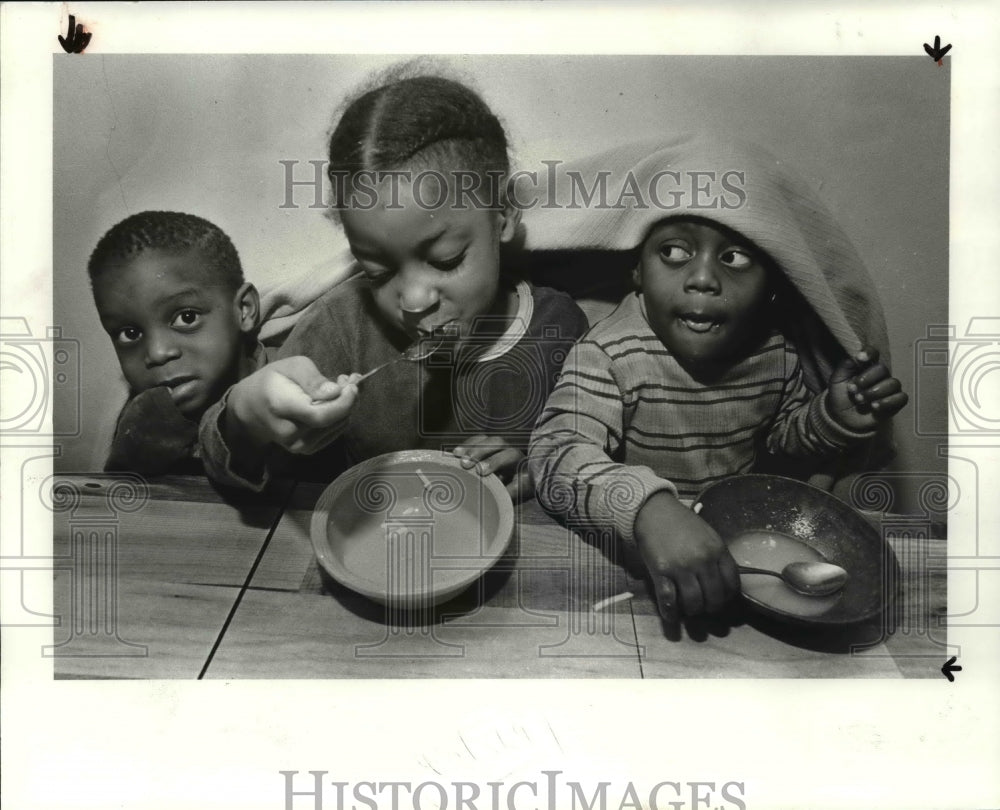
x,y
424,121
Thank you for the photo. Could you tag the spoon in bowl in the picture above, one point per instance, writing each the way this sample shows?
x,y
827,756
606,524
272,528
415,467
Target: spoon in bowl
x,y
810,578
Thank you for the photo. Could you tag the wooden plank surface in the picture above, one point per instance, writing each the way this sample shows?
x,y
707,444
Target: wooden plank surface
x,y
520,620
915,627
282,635
545,588
908,640
145,589
160,630
742,645
146,578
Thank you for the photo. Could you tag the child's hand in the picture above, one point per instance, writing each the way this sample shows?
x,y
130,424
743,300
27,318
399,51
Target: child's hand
x,y
691,568
493,454
289,403
863,392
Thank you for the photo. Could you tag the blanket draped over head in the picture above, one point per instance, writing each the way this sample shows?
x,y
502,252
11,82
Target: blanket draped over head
x,y
834,308
748,190
737,185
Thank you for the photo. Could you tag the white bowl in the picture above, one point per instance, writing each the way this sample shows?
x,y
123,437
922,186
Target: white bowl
x,y
411,529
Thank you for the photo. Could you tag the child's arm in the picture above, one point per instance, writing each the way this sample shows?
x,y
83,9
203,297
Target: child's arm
x,y
291,404
863,392
152,435
494,454
288,404
821,425
691,569
579,433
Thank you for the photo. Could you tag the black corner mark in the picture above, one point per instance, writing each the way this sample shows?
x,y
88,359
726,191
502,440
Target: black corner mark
x,y
949,667
76,38
937,52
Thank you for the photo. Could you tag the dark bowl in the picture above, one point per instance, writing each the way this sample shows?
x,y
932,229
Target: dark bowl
x,y
824,523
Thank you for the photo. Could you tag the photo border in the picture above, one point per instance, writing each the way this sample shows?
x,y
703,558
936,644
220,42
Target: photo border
x,y
167,744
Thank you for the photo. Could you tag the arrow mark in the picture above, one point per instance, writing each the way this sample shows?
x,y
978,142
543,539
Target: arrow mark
x,y
937,52
76,38
949,667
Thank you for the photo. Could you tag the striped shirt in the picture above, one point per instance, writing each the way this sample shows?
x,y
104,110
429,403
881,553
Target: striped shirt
x,y
626,420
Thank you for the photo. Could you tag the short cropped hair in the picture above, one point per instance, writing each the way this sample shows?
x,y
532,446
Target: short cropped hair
x,y
172,232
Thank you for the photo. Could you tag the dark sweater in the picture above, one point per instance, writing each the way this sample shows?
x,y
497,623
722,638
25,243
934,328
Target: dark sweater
x,y
152,437
436,404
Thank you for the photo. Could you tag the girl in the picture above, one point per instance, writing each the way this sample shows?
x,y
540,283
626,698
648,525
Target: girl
x,y
418,169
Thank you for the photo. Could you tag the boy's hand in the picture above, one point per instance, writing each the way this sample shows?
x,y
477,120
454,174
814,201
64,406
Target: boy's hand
x,y
289,403
691,568
863,392
493,454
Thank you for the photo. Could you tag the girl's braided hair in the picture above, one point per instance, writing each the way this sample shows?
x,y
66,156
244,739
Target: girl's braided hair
x,y
419,121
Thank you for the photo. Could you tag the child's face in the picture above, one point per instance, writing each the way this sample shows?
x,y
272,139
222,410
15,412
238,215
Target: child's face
x,y
429,268
704,290
171,327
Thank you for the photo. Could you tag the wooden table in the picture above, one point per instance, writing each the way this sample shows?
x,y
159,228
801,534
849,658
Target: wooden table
x,y
147,575
194,583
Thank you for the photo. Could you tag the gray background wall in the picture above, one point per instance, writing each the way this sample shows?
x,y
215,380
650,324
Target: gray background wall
x,y
204,134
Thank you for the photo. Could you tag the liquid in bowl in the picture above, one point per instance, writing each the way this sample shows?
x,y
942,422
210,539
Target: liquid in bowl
x,y
407,553
773,551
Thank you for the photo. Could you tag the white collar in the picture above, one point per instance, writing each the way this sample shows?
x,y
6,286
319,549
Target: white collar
x,y
518,324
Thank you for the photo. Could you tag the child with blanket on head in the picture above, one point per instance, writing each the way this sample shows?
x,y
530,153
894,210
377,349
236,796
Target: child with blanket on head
x,y
717,356
170,293
419,170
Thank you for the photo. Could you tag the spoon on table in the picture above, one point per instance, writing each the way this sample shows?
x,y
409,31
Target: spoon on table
x,y
810,578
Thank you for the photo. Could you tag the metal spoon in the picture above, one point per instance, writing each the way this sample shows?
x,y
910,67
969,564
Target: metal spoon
x,y
421,349
809,578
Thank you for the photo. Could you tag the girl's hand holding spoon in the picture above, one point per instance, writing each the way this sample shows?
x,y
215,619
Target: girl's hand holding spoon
x,y
291,404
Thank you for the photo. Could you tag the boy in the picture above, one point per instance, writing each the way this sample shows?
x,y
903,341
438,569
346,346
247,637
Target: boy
x,y
675,390
170,293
